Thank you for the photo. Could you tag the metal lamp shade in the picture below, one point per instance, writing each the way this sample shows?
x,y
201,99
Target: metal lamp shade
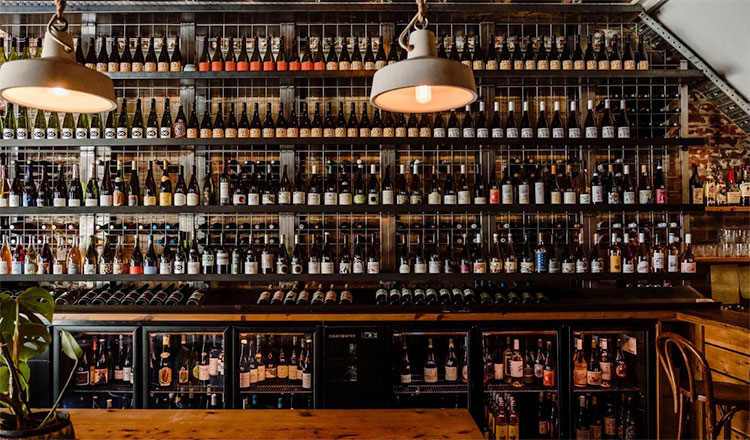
x,y
394,87
55,82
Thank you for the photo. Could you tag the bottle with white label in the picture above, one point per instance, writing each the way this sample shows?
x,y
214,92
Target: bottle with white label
x,y
574,127
451,363
542,129
589,126
516,365
511,129
687,259
430,366
608,125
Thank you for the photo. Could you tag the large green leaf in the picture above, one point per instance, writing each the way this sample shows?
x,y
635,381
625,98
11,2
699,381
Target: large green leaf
x,y
7,315
37,300
4,379
69,345
33,340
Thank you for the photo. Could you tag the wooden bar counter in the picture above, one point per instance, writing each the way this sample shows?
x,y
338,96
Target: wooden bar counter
x,y
274,424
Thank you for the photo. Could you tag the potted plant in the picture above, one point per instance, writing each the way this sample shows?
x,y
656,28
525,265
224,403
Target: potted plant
x,y
23,336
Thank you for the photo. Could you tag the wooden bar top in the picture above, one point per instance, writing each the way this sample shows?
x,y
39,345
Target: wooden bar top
x,y
274,424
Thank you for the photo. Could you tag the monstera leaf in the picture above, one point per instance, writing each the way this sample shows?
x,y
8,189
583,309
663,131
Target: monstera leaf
x,y
70,347
36,300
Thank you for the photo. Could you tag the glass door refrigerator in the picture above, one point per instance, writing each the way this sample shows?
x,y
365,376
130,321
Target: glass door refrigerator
x,y
521,390
430,369
274,368
185,367
610,386
105,376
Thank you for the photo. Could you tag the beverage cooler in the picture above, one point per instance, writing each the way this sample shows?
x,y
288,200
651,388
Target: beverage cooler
x,y
274,368
430,369
521,386
105,376
610,383
185,368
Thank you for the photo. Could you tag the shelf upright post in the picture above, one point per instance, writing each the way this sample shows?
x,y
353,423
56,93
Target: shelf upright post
x,y
588,220
487,156
287,156
684,155
388,158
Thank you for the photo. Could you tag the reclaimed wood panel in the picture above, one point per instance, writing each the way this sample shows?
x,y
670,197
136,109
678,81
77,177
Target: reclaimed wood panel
x,y
274,424
732,339
727,362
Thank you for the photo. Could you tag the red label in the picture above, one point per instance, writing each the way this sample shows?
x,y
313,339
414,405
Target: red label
x,y
204,67
307,65
217,66
255,66
269,65
661,196
243,66
282,65
319,66
494,197
294,65
230,66
136,270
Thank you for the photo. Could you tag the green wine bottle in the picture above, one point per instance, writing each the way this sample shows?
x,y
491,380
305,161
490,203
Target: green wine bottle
x,y
122,122
24,125
110,132
95,130
136,129
152,124
40,125
68,128
82,126
53,126
9,130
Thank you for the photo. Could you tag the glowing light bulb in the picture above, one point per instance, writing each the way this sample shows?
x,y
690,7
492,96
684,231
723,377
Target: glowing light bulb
x,y
59,91
423,94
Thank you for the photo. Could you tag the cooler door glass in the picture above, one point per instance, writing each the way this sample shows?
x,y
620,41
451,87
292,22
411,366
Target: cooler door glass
x,y
185,370
275,370
430,370
521,391
104,375
609,384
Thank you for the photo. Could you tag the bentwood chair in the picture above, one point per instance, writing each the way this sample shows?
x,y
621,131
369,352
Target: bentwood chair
x,y
730,398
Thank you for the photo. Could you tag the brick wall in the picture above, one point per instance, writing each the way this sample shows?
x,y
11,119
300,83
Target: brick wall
x,y
727,146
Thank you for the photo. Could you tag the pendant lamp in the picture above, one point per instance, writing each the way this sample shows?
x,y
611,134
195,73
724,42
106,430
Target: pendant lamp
x,y
423,83
55,82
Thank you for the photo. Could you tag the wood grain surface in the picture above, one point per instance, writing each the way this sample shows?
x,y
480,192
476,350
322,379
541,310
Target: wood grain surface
x,y
274,424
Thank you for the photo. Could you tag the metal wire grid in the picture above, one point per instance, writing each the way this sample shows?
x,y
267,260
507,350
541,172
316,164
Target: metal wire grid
x,y
312,229
59,231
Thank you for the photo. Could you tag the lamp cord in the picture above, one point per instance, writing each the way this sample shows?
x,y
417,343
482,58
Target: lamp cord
x,y
421,18
59,24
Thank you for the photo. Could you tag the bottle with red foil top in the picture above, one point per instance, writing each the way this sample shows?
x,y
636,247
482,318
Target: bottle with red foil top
x,y
243,63
294,64
281,62
217,62
230,62
660,185
255,62
204,62
268,62
306,63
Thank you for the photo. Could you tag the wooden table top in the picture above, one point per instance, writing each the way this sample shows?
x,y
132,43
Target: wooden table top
x,y
274,424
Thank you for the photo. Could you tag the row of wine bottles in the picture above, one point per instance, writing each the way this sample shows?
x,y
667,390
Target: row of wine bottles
x,y
715,190
363,55
505,421
619,256
118,294
471,124
344,184
480,293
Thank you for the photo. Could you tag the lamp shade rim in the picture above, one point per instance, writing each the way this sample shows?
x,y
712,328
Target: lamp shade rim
x,y
56,84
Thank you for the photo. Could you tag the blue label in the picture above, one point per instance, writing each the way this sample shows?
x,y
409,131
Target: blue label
x,y
540,260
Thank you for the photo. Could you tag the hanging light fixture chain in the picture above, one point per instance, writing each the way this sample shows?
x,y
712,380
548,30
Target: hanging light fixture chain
x,y
421,18
58,23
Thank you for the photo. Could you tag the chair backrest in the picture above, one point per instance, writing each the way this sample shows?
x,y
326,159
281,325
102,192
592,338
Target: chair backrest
x,y
665,345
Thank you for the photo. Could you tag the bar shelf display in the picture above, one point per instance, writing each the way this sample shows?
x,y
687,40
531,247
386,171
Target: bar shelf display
x,y
184,368
105,376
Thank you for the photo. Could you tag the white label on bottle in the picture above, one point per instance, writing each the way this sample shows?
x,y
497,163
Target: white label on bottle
x,y
433,267
628,267
253,199
94,133
596,267
542,132
497,132
430,374
109,133
523,194
251,267
105,200
298,197
194,267
38,133
244,379
122,132
569,197
285,197
527,267
344,199
404,268
387,197
4,267
179,199
510,266
73,269
568,267
454,132
558,133
136,132
21,133
608,132
464,197
313,199
89,269
8,133
658,260
687,267
511,132
59,201
597,194
51,133
433,198
67,133
438,132
628,197
483,132
57,268
203,373
623,132
555,197
150,270
574,132
14,200
450,199
224,191
179,268
327,267
373,267
313,267
507,194
4,202
468,132
330,198
606,368
673,264
516,368
451,373
527,133
498,370
306,380
91,201
591,133
16,267
213,366
127,374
